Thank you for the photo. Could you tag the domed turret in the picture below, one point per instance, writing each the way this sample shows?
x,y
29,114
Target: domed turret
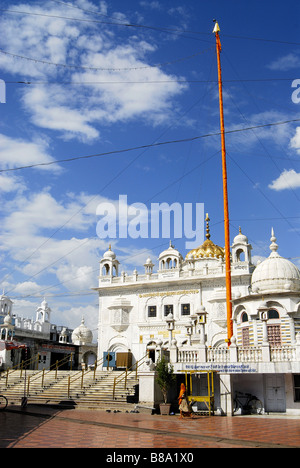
x,y
241,249
275,274
109,265
170,258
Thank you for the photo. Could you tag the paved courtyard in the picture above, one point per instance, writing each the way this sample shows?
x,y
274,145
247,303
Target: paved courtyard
x,y
46,427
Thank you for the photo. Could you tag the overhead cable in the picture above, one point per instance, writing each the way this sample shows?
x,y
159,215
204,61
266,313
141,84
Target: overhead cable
x,y
152,145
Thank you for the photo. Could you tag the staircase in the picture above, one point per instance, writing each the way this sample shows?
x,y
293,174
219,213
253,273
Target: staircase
x,y
87,390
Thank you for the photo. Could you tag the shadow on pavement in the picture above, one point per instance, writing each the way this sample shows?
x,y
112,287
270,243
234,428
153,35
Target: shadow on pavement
x,y
15,423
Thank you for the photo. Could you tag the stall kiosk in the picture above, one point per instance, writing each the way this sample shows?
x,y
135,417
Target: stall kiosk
x,y
208,399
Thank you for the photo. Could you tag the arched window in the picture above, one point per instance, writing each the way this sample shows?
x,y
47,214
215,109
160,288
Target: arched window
x,y
244,317
273,314
240,255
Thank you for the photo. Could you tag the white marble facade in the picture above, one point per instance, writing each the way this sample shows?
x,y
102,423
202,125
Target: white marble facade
x,y
164,310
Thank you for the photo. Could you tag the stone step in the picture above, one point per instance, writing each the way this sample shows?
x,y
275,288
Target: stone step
x,y
95,391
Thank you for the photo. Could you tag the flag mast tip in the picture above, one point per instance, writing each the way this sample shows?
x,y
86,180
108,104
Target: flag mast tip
x,y
216,28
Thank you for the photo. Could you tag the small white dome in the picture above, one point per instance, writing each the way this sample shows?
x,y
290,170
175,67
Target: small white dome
x,y
240,238
109,254
169,251
275,274
82,334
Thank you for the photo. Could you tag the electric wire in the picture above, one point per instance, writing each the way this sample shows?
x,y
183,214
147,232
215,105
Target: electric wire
x,y
80,67
151,145
117,22
102,82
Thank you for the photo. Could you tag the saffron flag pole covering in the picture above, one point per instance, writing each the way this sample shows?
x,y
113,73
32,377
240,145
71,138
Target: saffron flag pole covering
x,y
216,30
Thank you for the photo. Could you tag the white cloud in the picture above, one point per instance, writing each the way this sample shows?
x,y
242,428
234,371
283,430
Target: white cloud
x,y
49,108
76,111
287,62
295,141
18,152
11,183
288,179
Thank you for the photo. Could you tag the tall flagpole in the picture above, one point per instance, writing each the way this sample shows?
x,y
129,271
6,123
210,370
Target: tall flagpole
x,y
225,193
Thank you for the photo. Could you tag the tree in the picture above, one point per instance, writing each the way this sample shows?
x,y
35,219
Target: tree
x,y
165,376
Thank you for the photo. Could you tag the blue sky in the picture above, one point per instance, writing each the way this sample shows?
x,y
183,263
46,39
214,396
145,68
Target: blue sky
x,y
93,77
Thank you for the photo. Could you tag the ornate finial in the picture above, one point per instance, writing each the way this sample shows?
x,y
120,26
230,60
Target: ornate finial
x,y
273,246
240,230
109,247
207,226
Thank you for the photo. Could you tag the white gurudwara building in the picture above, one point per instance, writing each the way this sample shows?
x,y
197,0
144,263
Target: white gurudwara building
x,y
180,310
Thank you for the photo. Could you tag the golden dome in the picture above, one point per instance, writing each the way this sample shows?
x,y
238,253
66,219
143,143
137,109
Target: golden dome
x,y
208,248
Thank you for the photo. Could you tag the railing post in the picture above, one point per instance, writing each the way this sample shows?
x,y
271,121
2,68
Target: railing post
x,y
233,352
69,383
82,379
7,376
56,367
95,368
71,361
114,388
43,377
126,378
37,361
28,385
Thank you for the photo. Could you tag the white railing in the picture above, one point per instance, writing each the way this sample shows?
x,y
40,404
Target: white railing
x,y
283,353
250,354
217,355
187,355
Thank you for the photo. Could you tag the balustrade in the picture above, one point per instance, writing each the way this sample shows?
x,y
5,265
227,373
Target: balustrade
x,y
249,354
283,353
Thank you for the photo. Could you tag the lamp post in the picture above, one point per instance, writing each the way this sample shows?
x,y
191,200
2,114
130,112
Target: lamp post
x,y
170,326
263,315
202,314
189,330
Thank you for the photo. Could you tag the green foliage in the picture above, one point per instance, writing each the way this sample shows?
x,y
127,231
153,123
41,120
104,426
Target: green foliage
x,y
165,376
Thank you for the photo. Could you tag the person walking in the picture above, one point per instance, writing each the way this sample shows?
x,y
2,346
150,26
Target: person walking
x,y
184,407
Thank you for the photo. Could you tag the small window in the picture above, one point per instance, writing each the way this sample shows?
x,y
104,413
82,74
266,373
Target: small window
x,y
297,387
152,311
185,309
244,317
273,314
168,309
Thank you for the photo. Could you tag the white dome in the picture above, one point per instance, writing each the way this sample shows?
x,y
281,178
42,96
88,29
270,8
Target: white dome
x,y
169,251
109,254
275,274
82,334
240,238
